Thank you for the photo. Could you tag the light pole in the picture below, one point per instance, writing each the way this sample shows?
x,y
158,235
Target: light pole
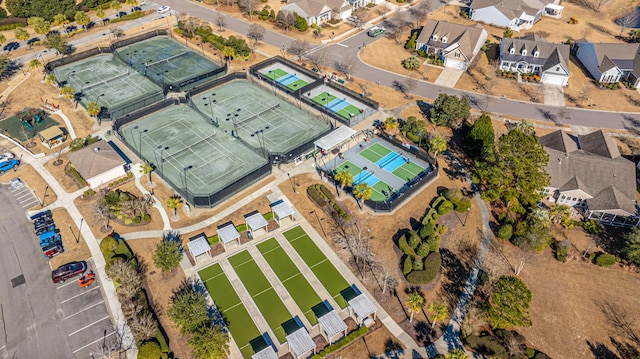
x,y
319,222
293,186
132,138
44,197
465,217
184,172
162,161
211,101
140,141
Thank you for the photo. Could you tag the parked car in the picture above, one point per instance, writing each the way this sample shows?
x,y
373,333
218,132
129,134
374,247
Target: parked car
x,y
70,28
33,40
163,9
68,270
7,165
136,8
6,156
11,46
375,31
122,13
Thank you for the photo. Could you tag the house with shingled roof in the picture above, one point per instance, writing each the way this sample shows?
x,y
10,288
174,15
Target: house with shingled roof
x,y
99,163
608,62
514,14
589,174
319,11
455,44
532,54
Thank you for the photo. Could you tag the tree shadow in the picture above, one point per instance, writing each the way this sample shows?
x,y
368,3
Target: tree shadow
x,y
626,350
456,273
601,351
424,333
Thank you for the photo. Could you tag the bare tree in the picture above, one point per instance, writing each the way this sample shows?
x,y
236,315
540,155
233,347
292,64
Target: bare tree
x,y
249,6
256,33
143,326
525,254
117,343
388,280
597,4
513,346
401,87
419,12
392,29
318,58
627,20
584,95
347,66
220,22
299,48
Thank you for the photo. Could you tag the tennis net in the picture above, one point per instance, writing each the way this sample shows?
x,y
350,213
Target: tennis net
x,y
190,146
85,88
258,114
164,60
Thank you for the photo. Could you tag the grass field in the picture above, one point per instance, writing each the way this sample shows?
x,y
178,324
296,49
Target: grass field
x,y
263,294
240,324
296,284
327,274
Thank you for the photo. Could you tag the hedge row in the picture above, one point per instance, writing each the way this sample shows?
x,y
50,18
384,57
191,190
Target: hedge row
x,y
11,26
316,196
132,16
342,342
488,344
336,207
431,268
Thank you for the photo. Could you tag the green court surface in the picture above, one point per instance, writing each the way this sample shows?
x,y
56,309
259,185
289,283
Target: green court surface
x,y
349,167
379,190
408,171
263,294
323,98
298,84
276,74
349,111
296,284
240,324
324,270
375,152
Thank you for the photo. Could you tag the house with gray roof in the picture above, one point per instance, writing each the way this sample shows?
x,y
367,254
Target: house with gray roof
x,y
532,54
607,62
514,14
455,44
99,163
319,11
589,174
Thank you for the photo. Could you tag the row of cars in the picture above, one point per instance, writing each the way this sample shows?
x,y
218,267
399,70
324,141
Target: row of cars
x,y
48,234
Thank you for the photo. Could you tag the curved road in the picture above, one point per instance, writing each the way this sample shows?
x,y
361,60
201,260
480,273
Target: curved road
x,y
350,47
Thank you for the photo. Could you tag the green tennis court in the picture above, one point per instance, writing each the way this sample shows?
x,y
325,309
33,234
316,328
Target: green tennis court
x,y
276,74
296,284
349,167
238,320
408,171
298,84
349,111
323,98
324,270
375,152
263,294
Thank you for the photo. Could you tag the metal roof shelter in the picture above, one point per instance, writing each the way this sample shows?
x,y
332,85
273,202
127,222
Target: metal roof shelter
x,y
266,353
255,221
198,245
281,210
362,307
301,343
332,325
227,233
335,138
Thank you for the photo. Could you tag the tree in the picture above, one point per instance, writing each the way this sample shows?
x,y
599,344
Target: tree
x,y
93,108
34,63
68,92
143,326
101,14
411,63
415,302
560,213
256,33
415,126
249,6
318,58
117,32
21,34
632,245
299,48
149,350
146,169
627,20
390,124
362,192
40,25
56,42
103,211
115,5
220,22
347,66
42,8
132,3
50,79
3,39
82,19
167,255
634,35
301,23
438,311
507,34
450,111
60,19
480,142
209,341
344,177
437,144
456,354
189,310
509,304
174,203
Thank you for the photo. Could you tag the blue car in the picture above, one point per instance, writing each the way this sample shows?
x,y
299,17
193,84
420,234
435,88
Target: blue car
x,y
11,164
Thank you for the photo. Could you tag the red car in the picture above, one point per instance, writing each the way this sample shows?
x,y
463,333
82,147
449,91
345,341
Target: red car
x,y
68,270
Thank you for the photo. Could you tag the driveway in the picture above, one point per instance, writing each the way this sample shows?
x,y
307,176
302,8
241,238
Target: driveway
x,y
553,95
449,77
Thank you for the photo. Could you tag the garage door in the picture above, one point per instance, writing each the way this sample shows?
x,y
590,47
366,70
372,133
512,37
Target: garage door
x,y
554,80
455,64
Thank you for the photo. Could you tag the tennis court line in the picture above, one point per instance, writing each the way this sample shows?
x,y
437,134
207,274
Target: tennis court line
x,y
295,239
317,264
216,276
241,264
293,276
263,291
233,306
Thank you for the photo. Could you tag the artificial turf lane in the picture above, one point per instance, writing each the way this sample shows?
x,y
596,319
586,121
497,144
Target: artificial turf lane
x,y
263,294
238,320
296,284
326,272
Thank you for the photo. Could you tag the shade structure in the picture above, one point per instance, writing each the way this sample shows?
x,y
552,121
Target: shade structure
x,y
362,307
266,353
198,245
255,221
281,210
332,325
335,138
228,233
301,343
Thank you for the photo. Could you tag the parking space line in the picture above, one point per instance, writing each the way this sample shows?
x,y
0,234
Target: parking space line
x,y
66,284
87,326
77,295
18,189
87,308
21,195
93,342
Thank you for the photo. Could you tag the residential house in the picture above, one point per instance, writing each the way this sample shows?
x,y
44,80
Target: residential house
x,y
610,62
455,44
99,163
588,173
514,14
532,54
319,11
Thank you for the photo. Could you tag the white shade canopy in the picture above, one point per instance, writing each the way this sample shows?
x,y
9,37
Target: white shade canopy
x,y
281,209
255,221
336,137
362,306
228,233
300,342
332,324
266,353
198,245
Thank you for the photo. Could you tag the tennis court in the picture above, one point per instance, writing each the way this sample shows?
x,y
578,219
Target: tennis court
x,y
164,60
292,82
265,122
189,151
264,296
340,106
108,81
290,276
324,270
235,315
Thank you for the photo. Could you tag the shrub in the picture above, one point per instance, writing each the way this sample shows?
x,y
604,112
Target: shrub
x,y
530,352
404,246
107,244
484,278
346,340
430,217
463,206
454,195
340,211
606,260
146,217
316,196
562,250
426,231
132,16
505,232
434,243
407,266
437,202
137,219
440,229
445,207
541,356
591,226
149,350
325,191
75,174
414,239
11,26
486,345
413,137
423,249
418,265
431,268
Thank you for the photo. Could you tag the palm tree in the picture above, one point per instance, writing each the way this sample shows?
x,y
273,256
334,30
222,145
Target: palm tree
x,y
344,177
540,216
93,108
411,63
390,124
34,63
362,192
437,144
635,35
415,302
438,311
456,354
146,169
229,53
526,127
68,92
174,203
3,39
51,79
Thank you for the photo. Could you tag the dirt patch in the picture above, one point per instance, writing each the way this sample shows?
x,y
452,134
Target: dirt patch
x,y
75,246
35,182
377,342
160,287
58,171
